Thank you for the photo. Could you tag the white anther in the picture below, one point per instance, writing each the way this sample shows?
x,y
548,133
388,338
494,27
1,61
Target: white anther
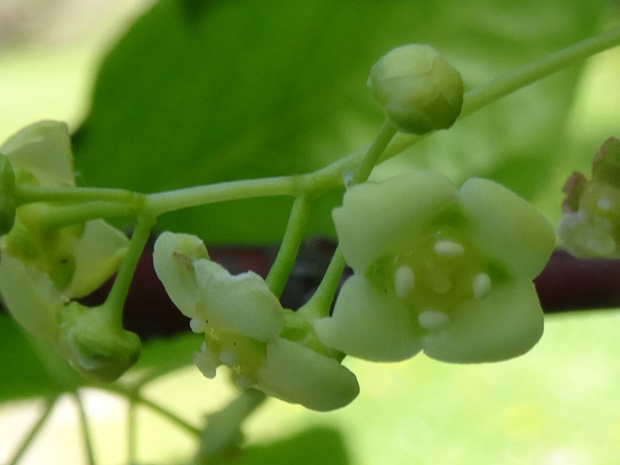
x,y
605,203
481,285
205,361
198,325
432,319
228,357
448,248
403,281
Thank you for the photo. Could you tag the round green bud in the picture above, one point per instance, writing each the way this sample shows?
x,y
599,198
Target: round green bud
x,y
95,346
417,88
7,196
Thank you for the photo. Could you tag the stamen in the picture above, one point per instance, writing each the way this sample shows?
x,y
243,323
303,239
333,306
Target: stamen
x,y
228,357
403,281
205,361
198,325
432,319
448,248
481,285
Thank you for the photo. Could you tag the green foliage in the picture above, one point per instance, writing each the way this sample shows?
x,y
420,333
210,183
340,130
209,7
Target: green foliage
x,y
198,93
246,89
22,371
312,446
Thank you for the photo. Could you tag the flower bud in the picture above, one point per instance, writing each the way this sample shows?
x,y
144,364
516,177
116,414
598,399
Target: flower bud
x,y
418,89
94,345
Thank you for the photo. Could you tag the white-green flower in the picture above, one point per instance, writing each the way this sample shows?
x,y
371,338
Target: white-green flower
x,y
245,329
444,270
43,269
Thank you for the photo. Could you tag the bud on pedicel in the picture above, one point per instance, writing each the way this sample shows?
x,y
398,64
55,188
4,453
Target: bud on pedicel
x,y
95,346
418,89
7,196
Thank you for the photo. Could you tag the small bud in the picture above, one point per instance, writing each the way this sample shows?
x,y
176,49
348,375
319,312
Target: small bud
x,y
418,89
94,345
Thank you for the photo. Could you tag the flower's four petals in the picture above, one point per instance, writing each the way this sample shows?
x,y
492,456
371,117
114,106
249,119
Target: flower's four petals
x,y
297,374
369,324
504,226
238,303
41,154
30,297
381,219
504,324
173,258
98,254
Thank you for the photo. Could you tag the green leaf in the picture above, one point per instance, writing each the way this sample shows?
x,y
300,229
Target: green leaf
x,y
248,89
21,370
311,446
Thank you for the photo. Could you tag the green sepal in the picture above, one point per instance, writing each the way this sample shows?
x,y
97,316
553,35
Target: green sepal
x,y
95,344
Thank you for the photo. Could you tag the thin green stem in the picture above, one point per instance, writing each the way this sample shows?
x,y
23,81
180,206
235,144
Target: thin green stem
x,y
30,194
132,429
49,406
134,396
321,300
320,303
164,202
283,264
118,294
51,217
84,423
521,77
223,429
373,153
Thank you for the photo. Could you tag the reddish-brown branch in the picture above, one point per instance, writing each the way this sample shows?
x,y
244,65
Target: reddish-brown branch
x,y
566,284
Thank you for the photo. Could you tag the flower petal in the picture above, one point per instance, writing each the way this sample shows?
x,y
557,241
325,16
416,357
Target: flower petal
x,y
98,254
369,325
173,255
30,296
295,373
41,153
238,304
381,219
507,227
506,323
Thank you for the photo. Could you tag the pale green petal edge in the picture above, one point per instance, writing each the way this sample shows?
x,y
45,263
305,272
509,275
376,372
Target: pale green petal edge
x,y
241,304
369,325
30,297
507,228
42,150
98,254
173,257
297,374
382,219
505,324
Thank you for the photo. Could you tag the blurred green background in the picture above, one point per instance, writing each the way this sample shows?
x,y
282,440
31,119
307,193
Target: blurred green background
x,y
200,92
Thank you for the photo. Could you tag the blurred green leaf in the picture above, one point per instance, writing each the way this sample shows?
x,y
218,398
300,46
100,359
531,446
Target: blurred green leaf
x,y
249,89
21,370
309,447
